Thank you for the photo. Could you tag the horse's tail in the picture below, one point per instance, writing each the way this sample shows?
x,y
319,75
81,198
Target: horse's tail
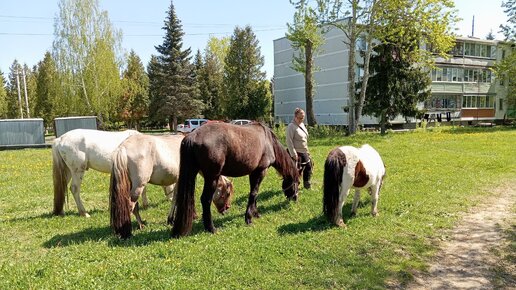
x,y
333,171
188,169
119,190
61,175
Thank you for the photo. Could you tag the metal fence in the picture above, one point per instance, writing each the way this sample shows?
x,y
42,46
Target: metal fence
x,y
22,132
65,124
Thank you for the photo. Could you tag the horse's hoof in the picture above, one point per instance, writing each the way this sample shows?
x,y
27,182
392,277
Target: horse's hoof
x,y
170,221
257,215
341,224
84,214
125,237
212,230
248,221
375,214
141,226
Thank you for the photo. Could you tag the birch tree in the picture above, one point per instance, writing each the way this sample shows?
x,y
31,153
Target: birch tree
x,y
87,52
305,35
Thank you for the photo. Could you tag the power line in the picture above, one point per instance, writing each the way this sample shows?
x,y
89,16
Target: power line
x,y
145,35
199,25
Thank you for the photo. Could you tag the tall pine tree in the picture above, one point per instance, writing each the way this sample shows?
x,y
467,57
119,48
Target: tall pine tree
x,y
396,85
247,91
134,103
46,89
15,101
174,91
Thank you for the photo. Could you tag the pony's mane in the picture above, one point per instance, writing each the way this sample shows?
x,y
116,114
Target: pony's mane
x,y
283,164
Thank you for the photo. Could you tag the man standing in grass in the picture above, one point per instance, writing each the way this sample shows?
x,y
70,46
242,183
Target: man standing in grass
x,y
297,143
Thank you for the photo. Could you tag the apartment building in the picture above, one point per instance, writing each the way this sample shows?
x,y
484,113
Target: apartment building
x,y
464,87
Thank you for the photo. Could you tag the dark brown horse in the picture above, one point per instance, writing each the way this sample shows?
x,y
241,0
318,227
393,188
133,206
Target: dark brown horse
x,y
224,149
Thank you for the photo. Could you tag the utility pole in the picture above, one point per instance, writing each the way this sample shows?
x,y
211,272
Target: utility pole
x,y
19,94
26,98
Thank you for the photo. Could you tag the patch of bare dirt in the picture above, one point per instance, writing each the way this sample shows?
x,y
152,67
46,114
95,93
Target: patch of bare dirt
x,y
472,257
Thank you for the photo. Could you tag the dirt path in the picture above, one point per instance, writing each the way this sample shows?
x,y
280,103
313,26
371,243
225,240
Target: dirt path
x,y
467,260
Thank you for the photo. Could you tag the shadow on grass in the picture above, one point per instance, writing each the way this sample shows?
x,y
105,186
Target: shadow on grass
x,y
103,233
315,224
261,209
219,222
471,129
149,237
262,196
50,215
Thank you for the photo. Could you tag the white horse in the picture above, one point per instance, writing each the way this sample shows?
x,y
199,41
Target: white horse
x,y
75,152
348,167
143,159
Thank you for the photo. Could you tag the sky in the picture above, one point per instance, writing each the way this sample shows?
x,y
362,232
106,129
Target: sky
x,y
27,26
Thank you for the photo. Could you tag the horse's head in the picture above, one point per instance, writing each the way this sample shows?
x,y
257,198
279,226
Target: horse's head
x,y
290,187
223,195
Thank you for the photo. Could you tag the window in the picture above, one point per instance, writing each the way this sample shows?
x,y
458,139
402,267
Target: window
x,y
481,50
500,104
480,102
458,49
442,102
474,75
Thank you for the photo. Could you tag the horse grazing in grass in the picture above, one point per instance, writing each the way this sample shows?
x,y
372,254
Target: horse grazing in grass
x,y
143,159
348,167
77,151
219,148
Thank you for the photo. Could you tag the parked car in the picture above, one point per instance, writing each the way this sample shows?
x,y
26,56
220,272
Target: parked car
x,y
190,125
241,122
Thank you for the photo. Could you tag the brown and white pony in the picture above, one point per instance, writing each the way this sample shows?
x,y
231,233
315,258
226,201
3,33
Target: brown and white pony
x,y
143,159
77,151
348,167
224,149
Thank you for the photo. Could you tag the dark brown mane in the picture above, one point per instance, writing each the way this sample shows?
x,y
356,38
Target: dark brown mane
x,y
284,163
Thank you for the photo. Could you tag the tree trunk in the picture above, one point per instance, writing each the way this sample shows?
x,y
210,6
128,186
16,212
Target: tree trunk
x,y
172,123
367,58
383,123
309,91
86,94
351,73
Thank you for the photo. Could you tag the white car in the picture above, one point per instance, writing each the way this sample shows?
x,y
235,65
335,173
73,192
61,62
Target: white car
x,y
190,125
241,122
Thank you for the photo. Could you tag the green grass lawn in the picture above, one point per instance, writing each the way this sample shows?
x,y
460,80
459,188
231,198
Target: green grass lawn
x,y
432,178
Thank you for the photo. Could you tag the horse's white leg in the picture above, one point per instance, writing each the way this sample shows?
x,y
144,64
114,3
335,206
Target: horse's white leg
x,y
136,191
356,199
375,192
75,188
344,191
170,192
145,200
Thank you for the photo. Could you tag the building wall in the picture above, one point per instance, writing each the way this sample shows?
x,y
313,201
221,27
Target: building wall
x,y
331,85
